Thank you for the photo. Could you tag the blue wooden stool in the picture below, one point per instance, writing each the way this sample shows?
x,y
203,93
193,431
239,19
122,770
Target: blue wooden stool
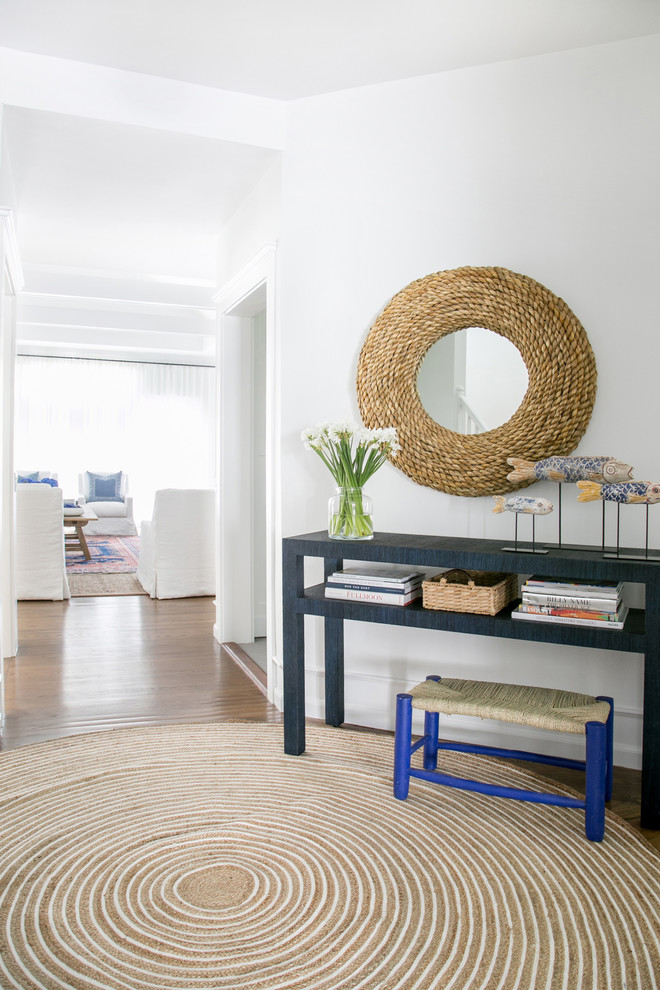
x,y
544,708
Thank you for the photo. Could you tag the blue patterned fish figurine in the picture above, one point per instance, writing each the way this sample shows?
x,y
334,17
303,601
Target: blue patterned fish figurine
x,y
569,469
522,503
626,492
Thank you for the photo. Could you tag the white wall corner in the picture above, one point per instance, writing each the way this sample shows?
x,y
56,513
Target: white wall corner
x,y
12,255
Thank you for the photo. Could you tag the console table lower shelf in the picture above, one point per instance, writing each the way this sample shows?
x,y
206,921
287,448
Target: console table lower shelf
x,y
641,633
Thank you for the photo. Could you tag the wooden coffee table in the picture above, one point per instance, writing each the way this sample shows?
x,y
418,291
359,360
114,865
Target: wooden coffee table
x,y
76,540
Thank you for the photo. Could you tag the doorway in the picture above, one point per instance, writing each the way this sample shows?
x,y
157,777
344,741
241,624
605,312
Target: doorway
x,y
256,647
12,283
259,382
247,514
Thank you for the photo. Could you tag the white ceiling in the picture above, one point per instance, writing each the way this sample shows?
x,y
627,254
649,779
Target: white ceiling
x,y
91,189
286,49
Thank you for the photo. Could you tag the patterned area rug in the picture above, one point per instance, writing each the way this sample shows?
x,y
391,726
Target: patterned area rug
x,y
110,555
104,585
202,856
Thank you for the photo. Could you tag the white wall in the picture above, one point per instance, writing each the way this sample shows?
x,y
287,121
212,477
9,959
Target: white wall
x,y
547,166
7,186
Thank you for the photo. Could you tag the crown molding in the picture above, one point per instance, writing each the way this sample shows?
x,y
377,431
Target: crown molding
x,y
81,89
255,271
119,275
12,254
59,301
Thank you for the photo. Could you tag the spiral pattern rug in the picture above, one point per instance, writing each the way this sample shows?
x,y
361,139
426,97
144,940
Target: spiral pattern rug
x,y
200,856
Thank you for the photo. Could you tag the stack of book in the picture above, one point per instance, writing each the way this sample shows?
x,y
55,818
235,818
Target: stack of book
x,y
576,603
382,584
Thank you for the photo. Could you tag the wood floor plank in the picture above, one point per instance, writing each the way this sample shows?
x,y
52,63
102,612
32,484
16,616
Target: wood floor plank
x,y
93,664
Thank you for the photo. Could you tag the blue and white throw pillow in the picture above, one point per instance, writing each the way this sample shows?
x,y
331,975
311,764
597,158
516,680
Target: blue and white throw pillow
x,y
103,487
34,479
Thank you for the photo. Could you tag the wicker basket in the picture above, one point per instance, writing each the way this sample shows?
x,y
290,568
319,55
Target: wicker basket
x,y
482,592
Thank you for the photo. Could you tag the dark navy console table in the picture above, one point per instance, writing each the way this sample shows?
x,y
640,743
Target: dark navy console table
x,y
641,633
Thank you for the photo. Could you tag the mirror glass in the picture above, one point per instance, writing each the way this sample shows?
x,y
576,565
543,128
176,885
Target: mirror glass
x,y
472,381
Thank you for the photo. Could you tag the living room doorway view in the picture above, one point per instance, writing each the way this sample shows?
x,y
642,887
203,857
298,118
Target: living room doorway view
x,y
139,427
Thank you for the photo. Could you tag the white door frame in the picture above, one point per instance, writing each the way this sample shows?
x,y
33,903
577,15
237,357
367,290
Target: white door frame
x,y
11,274
255,285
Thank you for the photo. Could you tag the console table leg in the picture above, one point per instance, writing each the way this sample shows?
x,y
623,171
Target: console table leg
x,y
293,654
334,671
650,810
294,685
334,656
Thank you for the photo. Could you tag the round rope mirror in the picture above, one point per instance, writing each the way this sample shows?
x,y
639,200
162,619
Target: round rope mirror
x,y
553,414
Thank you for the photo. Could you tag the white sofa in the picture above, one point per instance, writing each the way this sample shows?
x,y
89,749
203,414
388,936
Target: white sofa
x,y
40,558
114,518
177,546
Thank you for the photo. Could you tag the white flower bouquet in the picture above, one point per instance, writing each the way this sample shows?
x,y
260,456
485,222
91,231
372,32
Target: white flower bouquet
x,y
352,454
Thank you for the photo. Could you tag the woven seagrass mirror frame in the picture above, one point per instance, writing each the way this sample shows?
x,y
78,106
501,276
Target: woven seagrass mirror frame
x,y
553,414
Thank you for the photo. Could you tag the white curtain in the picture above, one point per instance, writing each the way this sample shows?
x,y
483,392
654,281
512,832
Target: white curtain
x,y
156,422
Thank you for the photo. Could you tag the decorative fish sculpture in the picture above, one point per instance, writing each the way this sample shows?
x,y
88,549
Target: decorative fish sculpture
x,y
522,503
570,469
626,492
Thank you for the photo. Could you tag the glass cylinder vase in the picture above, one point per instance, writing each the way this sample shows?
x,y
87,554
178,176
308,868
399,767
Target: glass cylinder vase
x,y
350,515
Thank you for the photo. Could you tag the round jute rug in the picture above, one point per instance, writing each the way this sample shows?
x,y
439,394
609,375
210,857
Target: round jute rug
x,y
200,856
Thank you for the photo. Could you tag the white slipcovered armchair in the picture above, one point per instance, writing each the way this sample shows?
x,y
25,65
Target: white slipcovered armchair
x,y
115,513
40,559
177,547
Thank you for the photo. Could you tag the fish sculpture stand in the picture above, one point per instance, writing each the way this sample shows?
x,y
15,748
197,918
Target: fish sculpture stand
x,y
623,493
568,470
626,492
522,503
526,505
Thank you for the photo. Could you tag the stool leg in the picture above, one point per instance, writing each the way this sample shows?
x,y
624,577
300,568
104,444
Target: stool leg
x,y
595,774
609,746
431,729
431,724
402,744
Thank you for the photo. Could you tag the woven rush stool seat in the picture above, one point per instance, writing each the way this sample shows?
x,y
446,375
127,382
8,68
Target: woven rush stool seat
x,y
544,708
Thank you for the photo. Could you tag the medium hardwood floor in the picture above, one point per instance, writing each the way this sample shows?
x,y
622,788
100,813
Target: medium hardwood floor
x,y
92,664
102,663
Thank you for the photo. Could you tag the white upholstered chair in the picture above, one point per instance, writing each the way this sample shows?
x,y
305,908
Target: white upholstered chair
x,y
115,514
40,559
177,546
